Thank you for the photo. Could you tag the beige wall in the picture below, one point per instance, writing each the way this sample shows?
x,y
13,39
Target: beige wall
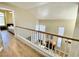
x,y
56,11
25,19
75,44
8,17
76,30
52,26
22,18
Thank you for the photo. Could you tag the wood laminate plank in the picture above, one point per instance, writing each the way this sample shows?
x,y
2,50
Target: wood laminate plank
x,y
18,49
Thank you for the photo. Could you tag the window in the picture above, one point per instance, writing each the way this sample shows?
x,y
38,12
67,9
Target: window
x,y
60,32
2,21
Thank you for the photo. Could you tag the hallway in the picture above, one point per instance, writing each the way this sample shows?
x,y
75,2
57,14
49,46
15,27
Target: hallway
x,y
18,49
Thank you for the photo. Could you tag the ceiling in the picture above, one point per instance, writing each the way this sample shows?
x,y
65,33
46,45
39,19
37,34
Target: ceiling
x,y
27,5
52,10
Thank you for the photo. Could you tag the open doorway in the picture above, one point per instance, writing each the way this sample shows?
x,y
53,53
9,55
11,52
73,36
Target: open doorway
x,y
6,25
7,20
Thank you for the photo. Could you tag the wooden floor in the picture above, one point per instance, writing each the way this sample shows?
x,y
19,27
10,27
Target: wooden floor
x,y
18,49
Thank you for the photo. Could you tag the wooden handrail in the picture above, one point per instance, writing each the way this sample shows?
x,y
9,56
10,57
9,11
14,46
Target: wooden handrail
x,y
49,33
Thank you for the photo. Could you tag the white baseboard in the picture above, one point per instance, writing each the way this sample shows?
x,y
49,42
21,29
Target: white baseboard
x,y
35,47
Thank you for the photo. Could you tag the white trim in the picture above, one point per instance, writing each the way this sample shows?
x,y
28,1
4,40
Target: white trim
x,y
13,19
35,47
2,8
